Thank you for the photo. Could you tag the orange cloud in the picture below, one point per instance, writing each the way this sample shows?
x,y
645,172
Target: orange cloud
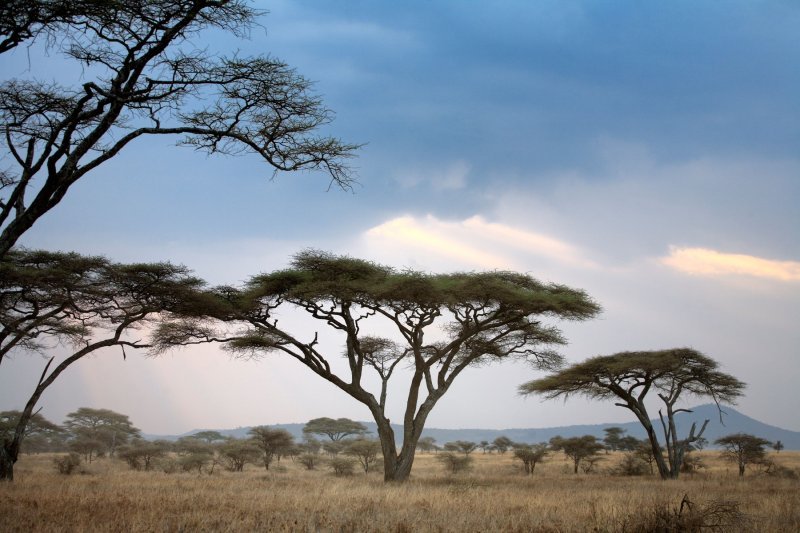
x,y
702,261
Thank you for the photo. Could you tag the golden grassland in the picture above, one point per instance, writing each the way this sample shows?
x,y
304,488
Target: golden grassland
x,y
493,496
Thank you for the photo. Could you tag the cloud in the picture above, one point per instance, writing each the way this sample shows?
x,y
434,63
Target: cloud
x,y
705,262
448,178
473,242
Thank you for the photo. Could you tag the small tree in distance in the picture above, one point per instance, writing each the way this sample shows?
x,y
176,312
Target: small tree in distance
x,y
578,449
335,430
502,443
530,455
270,442
630,376
777,446
743,449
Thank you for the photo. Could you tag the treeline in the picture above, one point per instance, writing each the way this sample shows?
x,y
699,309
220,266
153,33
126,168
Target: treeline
x,y
343,445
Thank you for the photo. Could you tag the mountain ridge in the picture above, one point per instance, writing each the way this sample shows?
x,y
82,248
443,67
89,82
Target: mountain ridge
x,y
733,422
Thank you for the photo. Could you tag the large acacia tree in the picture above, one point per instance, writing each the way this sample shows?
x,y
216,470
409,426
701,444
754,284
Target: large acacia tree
x,y
442,324
83,304
145,73
628,377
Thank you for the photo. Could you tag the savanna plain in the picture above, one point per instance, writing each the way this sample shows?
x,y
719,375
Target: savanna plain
x,y
494,495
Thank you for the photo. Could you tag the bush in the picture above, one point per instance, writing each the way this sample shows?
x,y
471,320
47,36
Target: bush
x,y
455,462
632,465
342,466
309,460
712,516
66,464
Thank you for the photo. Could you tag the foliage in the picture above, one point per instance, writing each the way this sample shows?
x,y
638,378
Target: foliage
x,y
454,462
271,442
426,444
342,466
743,449
579,449
88,303
613,439
104,426
463,446
334,429
365,451
140,454
40,435
480,318
236,453
502,443
777,446
309,460
630,376
145,74
66,464
530,455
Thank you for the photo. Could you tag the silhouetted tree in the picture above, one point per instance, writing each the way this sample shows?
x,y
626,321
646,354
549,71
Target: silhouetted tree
x,y
89,303
144,76
743,449
778,446
630,376
485,317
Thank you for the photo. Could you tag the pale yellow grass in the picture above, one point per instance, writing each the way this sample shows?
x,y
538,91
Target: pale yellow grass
x,y
493,496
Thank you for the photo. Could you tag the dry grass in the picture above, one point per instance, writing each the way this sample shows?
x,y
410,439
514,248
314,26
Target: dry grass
x,y
493,496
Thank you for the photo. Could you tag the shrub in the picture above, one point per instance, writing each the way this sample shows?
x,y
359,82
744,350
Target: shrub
x,y
455,462
342,466
309,460
715,515
632,465
66,464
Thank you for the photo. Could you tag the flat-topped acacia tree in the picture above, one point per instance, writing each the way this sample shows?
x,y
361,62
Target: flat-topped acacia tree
x,y
629,376
478,318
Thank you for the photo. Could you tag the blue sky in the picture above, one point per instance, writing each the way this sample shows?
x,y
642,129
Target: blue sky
x,y
644,151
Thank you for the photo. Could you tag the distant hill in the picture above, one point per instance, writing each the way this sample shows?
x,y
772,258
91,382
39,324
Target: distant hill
x,y
733,422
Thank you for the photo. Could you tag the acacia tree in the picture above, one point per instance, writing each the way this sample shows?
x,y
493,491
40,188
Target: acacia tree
x,y
530,455
743,449
103,426
578,449
334,429
446,323
145,76
89,303
270,442
630,376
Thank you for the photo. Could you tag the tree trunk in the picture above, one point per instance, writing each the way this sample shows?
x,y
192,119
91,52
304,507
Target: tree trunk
x,y
8,456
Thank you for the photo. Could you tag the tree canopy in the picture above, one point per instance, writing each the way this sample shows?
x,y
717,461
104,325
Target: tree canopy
x,y
334,429
630,376
88,303
478,318
743,449
146,75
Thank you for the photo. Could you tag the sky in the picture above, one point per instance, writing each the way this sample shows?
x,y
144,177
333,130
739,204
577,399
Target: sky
x,y
646,152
